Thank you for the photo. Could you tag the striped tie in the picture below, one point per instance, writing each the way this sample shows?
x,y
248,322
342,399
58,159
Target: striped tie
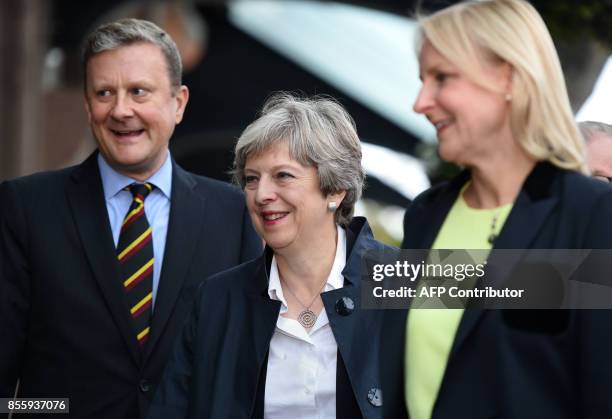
x,y
135,254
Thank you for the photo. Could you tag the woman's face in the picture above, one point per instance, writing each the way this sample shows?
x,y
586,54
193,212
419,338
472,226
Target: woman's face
x,y
287,208
469,119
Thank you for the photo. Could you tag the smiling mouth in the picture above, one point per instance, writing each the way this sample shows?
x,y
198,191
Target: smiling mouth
x,y
127,133
442,124
273,216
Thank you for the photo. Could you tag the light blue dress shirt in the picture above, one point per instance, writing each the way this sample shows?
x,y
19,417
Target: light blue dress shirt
x,y
157,207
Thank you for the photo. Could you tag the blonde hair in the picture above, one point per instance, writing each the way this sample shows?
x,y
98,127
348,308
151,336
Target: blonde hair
x,y
472,33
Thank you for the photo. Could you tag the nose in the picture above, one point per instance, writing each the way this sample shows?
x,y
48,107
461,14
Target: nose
x,y
424,100
266,191
122,107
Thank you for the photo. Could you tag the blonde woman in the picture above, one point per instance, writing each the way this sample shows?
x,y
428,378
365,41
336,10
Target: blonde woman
x,y
494,90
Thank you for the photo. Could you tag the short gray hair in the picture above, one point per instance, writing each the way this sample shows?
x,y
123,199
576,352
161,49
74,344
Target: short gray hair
x,y
589,128
124,32
320,133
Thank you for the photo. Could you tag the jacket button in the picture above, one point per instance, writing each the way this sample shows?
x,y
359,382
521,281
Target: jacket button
x,y
144,386
375,397
345,306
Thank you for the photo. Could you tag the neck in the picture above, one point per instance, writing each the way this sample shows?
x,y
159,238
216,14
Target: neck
x,y
306,270
498,180
142,173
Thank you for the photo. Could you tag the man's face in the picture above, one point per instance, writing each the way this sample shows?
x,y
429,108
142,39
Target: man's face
x,y
132,107
599,154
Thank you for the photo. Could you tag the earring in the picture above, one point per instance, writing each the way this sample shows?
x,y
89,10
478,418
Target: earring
x,y
332,206
508,97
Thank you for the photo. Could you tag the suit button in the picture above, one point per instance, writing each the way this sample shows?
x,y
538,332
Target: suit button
x,y
144,386
375,397
345,306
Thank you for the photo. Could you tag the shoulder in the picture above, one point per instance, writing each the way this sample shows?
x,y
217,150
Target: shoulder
x,y
582,190
35,190
235,279
383,247
582,217
431,195
580,197
361,241
206,185
218,186
371,244
442,191
586,200
40,181
425,204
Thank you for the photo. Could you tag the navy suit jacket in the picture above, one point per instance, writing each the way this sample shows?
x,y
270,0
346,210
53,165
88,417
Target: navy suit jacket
x,y
525,363
218,369
65,329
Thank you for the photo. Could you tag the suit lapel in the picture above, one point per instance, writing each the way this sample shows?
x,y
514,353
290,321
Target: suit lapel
x,y
354,333
187,212
531,209
263,313
86,198
351,334
529,213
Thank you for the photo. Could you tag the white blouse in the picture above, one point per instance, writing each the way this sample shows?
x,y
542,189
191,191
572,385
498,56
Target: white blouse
x,y
301,375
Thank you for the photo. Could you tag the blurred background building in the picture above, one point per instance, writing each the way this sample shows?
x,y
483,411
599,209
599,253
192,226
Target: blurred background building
x,y
237,52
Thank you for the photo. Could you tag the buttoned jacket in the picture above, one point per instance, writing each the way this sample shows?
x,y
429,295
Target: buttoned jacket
x,y
65,328
218,369
524,363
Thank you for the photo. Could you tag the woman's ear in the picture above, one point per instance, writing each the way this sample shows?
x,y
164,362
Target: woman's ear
x,y
508,76
336,197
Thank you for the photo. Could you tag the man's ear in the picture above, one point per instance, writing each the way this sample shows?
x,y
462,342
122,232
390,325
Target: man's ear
x,y
182,97
87,108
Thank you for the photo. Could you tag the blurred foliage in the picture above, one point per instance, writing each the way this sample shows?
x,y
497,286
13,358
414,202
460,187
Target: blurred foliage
x,y
572,20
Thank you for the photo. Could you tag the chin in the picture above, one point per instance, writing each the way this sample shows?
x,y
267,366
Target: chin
x,y
277,243
450,155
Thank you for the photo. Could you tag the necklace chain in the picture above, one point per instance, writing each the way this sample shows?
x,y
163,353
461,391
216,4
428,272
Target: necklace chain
x,y
307,318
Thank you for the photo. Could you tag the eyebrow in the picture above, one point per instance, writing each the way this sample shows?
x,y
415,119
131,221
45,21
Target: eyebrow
x,y
274,168
436,68
106,83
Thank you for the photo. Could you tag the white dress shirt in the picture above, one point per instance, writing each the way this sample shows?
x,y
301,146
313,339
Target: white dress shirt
x,y
301,375
157,207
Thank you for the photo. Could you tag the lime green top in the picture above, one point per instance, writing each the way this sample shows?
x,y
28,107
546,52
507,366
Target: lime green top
x,y
430,332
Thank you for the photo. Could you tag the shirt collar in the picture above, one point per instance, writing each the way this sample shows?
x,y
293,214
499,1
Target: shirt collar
x,y
114,182
335,279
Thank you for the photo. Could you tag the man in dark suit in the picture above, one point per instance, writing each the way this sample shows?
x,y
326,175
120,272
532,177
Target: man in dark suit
x,y
99,262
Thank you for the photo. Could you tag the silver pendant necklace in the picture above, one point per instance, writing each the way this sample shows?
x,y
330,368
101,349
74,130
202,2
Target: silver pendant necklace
x,y
307,318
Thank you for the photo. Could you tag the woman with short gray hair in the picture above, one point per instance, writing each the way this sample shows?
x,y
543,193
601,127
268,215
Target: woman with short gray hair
x,y
284,335
319,133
